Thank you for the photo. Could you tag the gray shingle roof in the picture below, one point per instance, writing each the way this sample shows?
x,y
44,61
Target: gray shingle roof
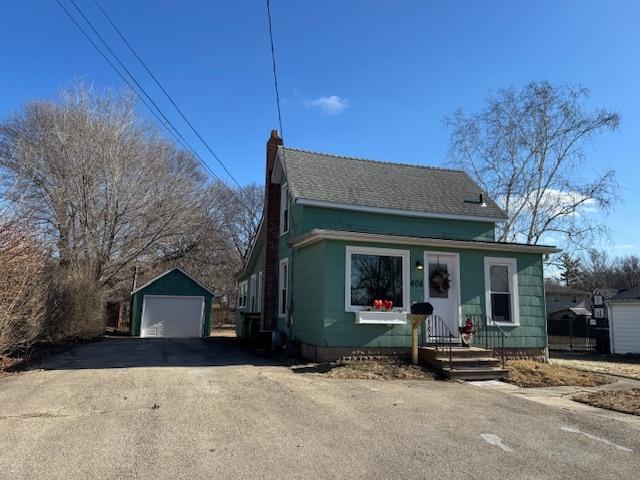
x,y
627,295
368,183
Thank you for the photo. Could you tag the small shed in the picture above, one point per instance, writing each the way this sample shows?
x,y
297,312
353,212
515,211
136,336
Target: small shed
x,y
624,321
172,305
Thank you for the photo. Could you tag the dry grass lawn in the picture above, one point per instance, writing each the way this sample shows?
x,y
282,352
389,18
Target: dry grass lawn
x,y
378,370
625,401
528,373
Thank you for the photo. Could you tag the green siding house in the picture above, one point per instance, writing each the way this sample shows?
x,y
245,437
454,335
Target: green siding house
x,y
339,233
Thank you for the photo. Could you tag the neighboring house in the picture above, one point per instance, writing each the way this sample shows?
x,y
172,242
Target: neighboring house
x,y
568,317
624,321
338,233
563,302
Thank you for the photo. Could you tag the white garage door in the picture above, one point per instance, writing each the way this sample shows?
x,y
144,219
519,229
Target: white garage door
x,y
626,328
171,317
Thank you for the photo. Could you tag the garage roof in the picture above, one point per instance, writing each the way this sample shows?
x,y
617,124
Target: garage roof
x,y
169,271
627,295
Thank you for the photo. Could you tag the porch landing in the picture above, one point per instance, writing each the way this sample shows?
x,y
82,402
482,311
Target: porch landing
x,y
466,363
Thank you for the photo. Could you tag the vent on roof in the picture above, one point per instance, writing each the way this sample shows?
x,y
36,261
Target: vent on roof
x,y
480,200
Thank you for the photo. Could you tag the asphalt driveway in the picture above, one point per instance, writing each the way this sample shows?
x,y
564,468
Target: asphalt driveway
x,y
158,409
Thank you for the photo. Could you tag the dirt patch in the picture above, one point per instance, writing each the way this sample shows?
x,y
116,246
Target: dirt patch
x,y
625,401
623,365
374,370
528,373
227,332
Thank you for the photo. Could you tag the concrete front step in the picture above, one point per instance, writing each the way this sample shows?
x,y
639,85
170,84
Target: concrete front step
x,y
441,351
467,363
460,362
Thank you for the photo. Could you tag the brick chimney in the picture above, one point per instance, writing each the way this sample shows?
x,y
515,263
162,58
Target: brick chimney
x,y
272,219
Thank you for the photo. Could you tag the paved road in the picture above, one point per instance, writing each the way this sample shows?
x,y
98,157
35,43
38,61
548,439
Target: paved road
x,y
224,413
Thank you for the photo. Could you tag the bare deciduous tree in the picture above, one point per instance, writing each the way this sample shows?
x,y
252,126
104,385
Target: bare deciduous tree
x,y
238,213
104,188
526,149
598,270
627,272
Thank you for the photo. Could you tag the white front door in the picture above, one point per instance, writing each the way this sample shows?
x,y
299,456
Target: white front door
x,y
442,290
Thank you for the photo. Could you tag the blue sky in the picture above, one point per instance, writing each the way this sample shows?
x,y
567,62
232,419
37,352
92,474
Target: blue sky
x,y
366,78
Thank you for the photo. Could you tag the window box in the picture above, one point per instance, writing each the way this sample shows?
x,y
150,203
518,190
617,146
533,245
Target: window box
x,y
381,318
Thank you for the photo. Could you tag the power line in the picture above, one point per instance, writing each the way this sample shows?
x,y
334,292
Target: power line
x,y
166,123
275,74
155,79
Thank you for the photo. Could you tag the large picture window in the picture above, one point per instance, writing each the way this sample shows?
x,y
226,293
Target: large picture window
x,y
501,283
376,274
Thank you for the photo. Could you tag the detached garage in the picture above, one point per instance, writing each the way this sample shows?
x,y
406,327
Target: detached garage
x,y
172,305
624,321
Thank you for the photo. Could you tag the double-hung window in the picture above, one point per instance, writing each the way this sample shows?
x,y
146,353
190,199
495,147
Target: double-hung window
x,y
242,295
284,209
283,288
259,294
501,284
252,294
376,274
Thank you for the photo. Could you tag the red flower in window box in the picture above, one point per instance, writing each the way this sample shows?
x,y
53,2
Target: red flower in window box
x,y
382,305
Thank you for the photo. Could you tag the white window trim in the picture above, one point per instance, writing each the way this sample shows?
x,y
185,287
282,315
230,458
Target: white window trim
x,y
512,265
284,261
284,201
259,295
252,293
242,293
406,271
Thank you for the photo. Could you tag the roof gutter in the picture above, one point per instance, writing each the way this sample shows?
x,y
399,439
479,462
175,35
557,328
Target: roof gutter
x,y
317,235
397,211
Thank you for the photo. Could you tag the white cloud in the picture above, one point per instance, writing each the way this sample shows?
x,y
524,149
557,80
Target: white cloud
x,y
329,105
556,200
624,246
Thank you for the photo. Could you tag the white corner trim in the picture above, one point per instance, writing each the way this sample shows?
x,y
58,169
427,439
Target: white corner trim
x,y
512,264
317,235
406,274
610,318
396,211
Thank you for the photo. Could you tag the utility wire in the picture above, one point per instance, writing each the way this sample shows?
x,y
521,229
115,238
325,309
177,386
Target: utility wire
x,y
166,123
155,79
275,73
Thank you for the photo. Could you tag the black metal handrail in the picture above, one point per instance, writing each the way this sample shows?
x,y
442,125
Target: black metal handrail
x,y
437,331
487,332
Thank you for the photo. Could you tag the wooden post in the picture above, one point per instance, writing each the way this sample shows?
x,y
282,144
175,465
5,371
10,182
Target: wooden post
x,y
415,323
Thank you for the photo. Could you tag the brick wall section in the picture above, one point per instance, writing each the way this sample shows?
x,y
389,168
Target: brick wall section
x,y
272,219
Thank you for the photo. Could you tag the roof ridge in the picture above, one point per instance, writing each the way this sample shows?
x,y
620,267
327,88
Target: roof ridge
x,y
349,157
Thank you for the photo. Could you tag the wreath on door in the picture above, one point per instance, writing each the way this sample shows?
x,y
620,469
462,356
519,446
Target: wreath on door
x,y
440,280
